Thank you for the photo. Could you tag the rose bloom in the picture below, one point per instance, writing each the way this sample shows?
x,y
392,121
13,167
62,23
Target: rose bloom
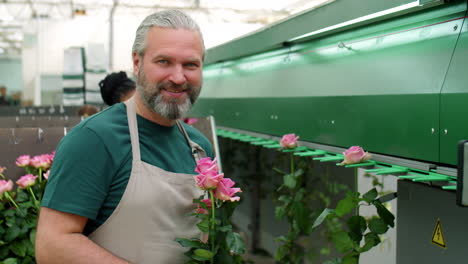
x,y
46,175
26,181
5,186
202,210
190,120
41,161
207,181
289,141
23,160
207,166
225,191
355,154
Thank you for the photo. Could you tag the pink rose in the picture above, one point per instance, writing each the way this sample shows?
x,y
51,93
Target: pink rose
x,y
225,191
26,181
2,169
207,166
23,160
5,186
41,161
190,120
202,210
289,141
46,175
208,181
355,154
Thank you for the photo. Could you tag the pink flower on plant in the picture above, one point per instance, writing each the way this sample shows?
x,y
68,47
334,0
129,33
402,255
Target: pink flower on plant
x,y
41,161
46,175
5,186
355,154
207,166
208,182
2,169
202,210
190,120
225,191
26,181
23,160
289,141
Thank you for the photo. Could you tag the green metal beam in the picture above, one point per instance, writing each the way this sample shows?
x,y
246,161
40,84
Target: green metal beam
x,y
337,12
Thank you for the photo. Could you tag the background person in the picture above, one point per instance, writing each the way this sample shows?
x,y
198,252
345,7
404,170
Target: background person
x,y
3,96
116,87
121,185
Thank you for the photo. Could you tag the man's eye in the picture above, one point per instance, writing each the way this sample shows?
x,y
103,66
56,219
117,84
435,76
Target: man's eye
x,y
162,62
191,65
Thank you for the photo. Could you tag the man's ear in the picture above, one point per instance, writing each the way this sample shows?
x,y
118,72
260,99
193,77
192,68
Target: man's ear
x,y
136,63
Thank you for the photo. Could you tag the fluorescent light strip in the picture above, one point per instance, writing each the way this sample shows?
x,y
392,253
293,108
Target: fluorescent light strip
x,y
360,19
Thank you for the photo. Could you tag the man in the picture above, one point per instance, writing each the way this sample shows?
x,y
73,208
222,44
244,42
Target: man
x,y
3,96
120,191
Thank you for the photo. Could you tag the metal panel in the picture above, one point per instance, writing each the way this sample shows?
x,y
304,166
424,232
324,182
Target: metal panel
x,y
419,208
361,87
454,100
329,15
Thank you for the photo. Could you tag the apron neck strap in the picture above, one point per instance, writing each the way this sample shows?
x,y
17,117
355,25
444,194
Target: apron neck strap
x,y
133,127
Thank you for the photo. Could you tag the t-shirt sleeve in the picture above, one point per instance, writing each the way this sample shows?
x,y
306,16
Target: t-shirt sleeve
x,y
80,175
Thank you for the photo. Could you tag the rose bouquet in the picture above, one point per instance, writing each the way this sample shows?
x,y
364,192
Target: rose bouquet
x,y
19,209
219,243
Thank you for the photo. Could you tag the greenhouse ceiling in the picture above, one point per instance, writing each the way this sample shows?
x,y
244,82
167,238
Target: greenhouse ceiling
x,y
16,14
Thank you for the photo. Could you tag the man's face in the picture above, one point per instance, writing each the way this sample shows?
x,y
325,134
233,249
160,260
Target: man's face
x,y
169,76
3,91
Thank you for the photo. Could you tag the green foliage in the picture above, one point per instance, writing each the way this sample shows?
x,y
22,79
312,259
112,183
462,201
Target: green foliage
x,y
19,211
223,244
18,230
348,240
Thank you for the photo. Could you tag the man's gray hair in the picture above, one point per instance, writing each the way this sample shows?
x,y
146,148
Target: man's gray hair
x,y
174,19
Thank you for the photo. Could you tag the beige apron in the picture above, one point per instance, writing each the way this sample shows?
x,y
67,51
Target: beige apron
x,y
153,210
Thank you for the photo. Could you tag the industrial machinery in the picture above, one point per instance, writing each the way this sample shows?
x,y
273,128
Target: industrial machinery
x,y
387,75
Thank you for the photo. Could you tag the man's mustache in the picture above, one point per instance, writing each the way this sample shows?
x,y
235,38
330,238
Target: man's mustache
x,y
173,86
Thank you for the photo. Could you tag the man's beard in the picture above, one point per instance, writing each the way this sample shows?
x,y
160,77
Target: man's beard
x,y
168,108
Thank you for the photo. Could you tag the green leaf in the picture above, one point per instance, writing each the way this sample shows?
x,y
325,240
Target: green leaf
x,y
284,198
32,236
235,243
225,228
12,233
19,248
350,259
22,212
281,252
280,212
299,195
371,240
4,250
204,226
377,226
323,215
10,261
342,241
281,239
289,181
346,205
357,226
189,242
370,195
203,254
301,215
384,213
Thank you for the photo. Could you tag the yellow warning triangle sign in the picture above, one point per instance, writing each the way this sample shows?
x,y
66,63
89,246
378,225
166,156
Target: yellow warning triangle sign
x,y
438,235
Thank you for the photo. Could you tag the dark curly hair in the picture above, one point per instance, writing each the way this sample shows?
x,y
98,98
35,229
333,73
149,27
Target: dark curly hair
x,y
115,87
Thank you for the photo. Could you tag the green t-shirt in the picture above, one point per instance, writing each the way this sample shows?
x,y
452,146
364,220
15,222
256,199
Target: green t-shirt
x,y
93,162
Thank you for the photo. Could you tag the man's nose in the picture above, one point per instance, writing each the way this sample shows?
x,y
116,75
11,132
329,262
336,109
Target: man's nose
x,y
177,75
